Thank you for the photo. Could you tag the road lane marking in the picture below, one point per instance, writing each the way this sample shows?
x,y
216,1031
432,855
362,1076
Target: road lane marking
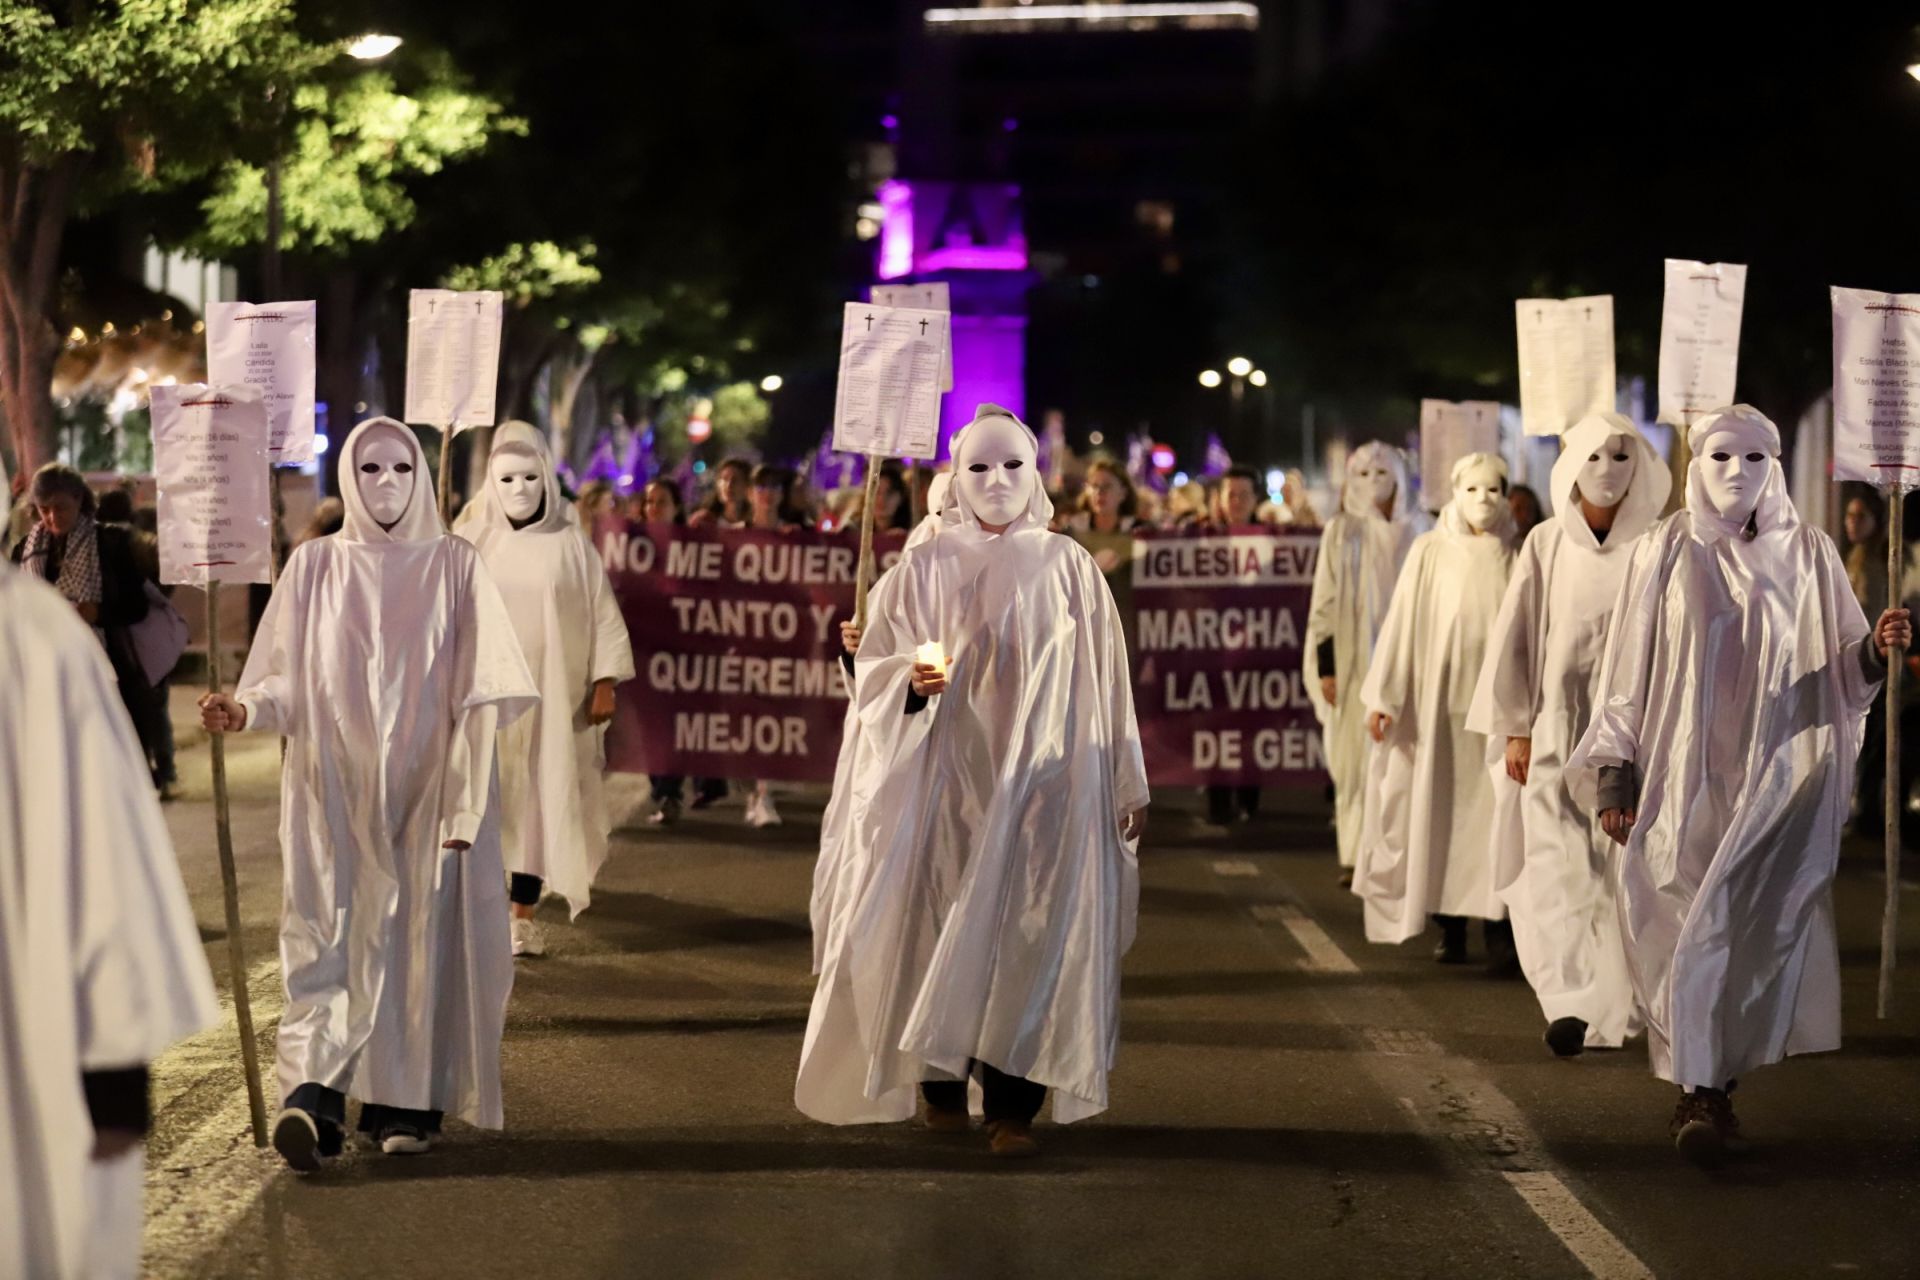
x,y
1323,953
1235,867
1461,1104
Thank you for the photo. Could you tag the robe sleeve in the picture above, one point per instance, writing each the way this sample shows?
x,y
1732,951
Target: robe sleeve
x,y
1862,667
1626,667
884,666
491,688
268,681
1389,684
140,973
612,657
1130,790
1508,694
1322,614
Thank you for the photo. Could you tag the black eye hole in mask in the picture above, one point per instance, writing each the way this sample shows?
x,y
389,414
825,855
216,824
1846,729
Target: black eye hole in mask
x,y
1014,465
368,468
977,467
1756,457
403,468
1594,457
1722,456
1619,457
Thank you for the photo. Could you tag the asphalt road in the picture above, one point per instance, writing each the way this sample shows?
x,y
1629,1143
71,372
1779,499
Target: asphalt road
x,y
1289,1101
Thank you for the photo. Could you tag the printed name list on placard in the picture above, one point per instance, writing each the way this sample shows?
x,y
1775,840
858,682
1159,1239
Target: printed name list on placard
x,y
271,346
1876,387
1699,338
453,357
1566,361
1449,431
929,295
888,400
210,462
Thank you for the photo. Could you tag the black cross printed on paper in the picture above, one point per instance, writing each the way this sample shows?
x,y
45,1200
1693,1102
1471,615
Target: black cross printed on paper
x,y
923,328
869,322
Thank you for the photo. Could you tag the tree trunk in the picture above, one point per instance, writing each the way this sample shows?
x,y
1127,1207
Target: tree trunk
x,y
34,204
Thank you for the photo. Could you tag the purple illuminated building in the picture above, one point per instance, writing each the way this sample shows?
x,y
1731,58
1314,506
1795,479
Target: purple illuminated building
x,y
971,236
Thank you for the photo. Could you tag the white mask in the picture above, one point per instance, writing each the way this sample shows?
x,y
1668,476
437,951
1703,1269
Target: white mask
x,y
518,483
1732,471
995,470
1374,480
1478,496
383,468
1604,478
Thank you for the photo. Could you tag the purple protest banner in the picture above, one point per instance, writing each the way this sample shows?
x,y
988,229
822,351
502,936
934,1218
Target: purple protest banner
x,y
1216,660
736,639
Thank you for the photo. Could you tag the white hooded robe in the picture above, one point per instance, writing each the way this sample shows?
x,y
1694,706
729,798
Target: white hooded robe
x,y
554,819
1429,843
1542,667
1361,553
984,898
1733,685
388,661
101,967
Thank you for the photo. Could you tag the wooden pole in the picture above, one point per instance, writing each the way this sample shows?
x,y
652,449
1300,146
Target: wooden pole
x,y
446,473
1894,801
863,578
230,887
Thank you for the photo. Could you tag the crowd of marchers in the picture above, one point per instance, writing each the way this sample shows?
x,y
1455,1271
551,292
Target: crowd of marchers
x,y
1626,741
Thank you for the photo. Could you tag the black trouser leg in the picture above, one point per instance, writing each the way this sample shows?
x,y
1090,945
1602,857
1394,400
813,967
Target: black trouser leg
x,y
1010,1097
945,1095
524,890
1871,776
328,1107
159,735
376,1117
1248,800
1220,805
665,787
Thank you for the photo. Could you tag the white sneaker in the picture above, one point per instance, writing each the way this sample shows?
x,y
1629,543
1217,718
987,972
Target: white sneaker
x,y
761,813
529,938
405,1142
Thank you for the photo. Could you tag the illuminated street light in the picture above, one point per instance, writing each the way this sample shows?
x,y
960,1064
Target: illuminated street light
x,y
1209,378
372,47
1239,366
772,382
1913,69
1258,377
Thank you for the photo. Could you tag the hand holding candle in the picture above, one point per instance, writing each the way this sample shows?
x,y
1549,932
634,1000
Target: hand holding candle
x,y
930,668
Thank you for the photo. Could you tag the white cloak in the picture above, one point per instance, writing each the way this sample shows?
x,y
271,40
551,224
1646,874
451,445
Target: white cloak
x,y
101,966
1361,553
553,802
1732,682
1429,841
388,661
984,898
1538,682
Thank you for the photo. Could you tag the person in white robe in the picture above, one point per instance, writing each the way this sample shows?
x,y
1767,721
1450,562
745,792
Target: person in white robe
x,y
1428,844
1737,672
1534,699
388,661
101,967
1361,553
988,887
554,819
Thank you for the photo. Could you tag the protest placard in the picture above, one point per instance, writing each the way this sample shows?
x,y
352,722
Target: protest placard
x,y
1566,360
453,357
888,400
1876,387
1449,431
1216,663
929,295
1699,338
215,517
269,345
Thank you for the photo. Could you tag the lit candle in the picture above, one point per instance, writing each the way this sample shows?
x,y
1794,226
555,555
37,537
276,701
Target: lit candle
x,y
932,655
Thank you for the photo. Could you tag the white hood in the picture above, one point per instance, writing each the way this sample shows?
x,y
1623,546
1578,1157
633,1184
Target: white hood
x,y
420,522
1645,499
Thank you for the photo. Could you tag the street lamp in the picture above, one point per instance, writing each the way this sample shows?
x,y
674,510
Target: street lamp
x,y
372,46
1209,378
1258,377
1239,366
772,382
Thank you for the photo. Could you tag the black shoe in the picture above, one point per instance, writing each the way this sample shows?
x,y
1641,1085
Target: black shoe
x,y
1346,878
1567,1037
296,1136
1452,948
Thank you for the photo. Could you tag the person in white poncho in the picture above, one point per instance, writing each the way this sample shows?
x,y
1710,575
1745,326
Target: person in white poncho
x,y
1361,553
1737,672
1428,847
553,806
1533,702
389,662
101,968
988,886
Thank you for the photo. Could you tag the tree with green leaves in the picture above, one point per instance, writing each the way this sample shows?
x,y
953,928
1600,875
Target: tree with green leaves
x,y
98,99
